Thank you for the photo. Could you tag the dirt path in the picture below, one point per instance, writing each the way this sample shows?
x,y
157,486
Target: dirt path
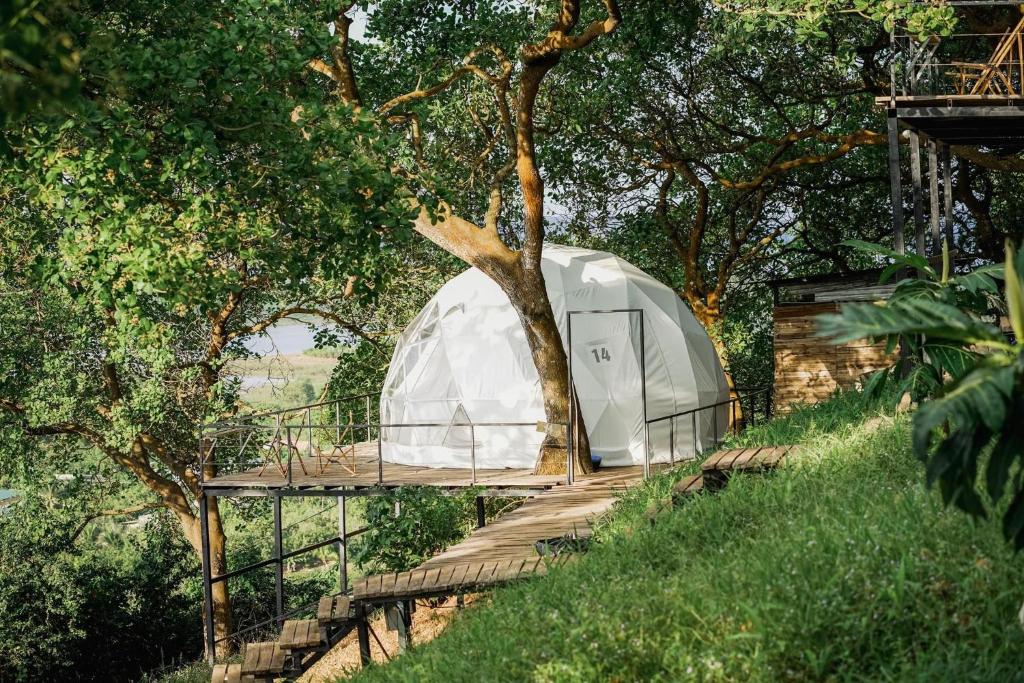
x,y
427,623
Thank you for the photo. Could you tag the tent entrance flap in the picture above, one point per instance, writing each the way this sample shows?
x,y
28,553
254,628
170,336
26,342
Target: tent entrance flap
x,y
607,371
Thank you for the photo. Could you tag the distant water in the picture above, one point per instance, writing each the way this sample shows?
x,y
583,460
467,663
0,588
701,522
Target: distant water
x,y
286,340
7,493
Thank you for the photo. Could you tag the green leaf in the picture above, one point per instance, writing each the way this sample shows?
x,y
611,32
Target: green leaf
x,y
1014,293
950,358
904,260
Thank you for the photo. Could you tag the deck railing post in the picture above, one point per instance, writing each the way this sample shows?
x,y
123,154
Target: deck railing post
x,y
309,434
714,425
569,440
472,450
367,417
288,437
204,531
643,397
279,561
672,441
693,422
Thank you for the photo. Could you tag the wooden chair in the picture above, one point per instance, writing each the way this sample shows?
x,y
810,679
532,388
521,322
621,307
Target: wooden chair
x,y
340,453
280,447
995,77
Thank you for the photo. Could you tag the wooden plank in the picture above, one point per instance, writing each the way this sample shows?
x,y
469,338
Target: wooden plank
x,y
402,582
746,459
324,609
430,579
234,673
688,485
287,636
341,608
220,672
251,658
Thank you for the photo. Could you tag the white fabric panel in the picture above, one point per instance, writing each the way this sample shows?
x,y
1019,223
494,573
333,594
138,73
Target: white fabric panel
x,y
465,358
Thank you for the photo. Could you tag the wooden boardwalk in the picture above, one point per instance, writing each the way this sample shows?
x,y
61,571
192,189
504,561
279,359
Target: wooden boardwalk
x,y
493,555
506,549
368,473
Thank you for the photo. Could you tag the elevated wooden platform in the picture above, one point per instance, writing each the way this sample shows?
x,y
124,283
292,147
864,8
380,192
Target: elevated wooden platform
x,y
368,473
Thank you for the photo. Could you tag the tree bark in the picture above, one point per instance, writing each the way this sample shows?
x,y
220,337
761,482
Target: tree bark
x,y
529,298
709,314
222,616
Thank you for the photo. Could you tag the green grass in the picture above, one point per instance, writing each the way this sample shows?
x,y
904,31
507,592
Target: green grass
x,y
839,567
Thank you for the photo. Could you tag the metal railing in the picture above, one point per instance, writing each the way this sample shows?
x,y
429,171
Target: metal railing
x,y
273,441
736,423
977,64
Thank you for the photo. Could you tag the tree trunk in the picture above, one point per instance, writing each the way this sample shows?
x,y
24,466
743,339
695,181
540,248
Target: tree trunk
x,y
708,313
529,297
218,565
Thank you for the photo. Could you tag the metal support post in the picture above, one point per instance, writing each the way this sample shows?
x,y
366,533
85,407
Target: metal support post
x,y
672,441
933,197
204,530
569,440
472,450
947,196
481,518
643,398
279,562
918,193
363,633
342,544
895,187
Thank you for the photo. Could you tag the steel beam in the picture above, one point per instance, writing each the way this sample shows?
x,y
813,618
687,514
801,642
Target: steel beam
x,y
895,186
933,197
918,192
204,531
947,196
278,561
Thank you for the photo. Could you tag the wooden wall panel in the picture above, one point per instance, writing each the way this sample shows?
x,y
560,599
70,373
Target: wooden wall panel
x,y
809,369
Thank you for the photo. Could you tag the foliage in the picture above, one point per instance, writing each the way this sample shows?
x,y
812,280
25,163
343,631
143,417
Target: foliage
x,y
966,372
411,524
841,567
85,610
38,60
811,19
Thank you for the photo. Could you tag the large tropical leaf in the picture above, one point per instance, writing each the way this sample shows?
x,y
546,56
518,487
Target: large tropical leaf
x,y
899,260
951,358
978,398
911,316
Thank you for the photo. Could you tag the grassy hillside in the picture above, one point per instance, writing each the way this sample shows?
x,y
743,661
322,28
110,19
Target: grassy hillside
x,y
840,567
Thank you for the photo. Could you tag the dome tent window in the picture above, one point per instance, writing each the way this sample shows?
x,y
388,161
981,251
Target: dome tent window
x,y
479,369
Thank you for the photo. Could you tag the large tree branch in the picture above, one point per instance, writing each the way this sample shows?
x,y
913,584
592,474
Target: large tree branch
x,y
468,68
993,162
130,510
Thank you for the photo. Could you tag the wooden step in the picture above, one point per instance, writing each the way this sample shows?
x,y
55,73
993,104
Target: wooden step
x,y
333,610
300,634
229,673
263,659
687,486
717,468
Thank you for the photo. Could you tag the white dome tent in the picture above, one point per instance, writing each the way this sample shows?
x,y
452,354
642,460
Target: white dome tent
x,y
465,359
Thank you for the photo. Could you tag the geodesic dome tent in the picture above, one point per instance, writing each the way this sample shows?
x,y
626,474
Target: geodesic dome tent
x,y
465,359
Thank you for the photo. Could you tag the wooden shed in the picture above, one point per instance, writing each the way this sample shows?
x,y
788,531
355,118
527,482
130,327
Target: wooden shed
x,y
808,368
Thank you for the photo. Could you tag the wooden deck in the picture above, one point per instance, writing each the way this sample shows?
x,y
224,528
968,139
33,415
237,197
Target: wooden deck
x,y
507,550
368,474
